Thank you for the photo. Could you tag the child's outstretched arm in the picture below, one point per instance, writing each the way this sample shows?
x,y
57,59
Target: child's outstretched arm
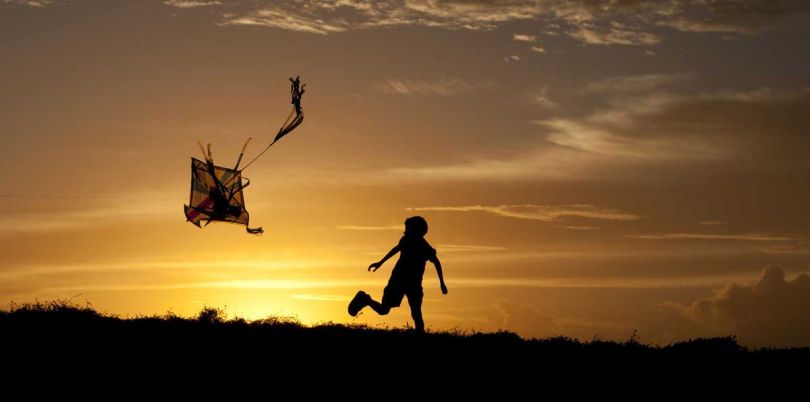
x,y
375,266
438,264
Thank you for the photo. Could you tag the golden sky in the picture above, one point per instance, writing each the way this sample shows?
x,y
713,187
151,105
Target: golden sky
x,y
586,168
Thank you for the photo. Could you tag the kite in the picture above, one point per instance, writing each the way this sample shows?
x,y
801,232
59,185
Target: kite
x,y
216,191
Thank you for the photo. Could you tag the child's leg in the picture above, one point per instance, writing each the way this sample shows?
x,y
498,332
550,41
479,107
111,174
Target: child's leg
x,y
415,301
380,308
392,297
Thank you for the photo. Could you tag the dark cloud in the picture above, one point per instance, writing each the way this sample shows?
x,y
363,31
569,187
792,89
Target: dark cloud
x,y
773,311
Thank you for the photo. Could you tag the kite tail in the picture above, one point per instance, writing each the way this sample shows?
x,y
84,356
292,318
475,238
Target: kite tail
x,y
295,118
296,91
255,231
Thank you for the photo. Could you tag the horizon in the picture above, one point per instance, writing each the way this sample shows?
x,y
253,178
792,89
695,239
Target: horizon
x,y
586,169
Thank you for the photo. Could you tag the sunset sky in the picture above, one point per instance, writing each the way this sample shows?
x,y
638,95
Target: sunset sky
x,y
587,168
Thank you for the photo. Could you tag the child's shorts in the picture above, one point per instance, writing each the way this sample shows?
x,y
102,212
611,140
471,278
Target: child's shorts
x,y
393,294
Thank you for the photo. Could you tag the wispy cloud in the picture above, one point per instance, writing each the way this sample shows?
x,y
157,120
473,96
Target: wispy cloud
x,y
541,98
456,282
689,25
797,247
259,265
545,213
287,21
191,3
398,227
538,49
578,227
595,23
440,87
466,248
636,83
596,141
615,36
661,130
103,212
31,3
524,38
320,298
713,236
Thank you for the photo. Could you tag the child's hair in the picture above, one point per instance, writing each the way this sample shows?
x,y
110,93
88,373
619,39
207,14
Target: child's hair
x,y
416,225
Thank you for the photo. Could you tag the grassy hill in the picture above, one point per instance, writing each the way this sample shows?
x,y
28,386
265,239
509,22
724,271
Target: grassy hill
x,y
44,333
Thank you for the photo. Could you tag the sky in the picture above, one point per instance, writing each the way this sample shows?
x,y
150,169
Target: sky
x,y
587,169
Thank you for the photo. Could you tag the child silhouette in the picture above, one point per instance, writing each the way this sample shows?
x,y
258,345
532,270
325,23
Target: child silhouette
x,y
406,277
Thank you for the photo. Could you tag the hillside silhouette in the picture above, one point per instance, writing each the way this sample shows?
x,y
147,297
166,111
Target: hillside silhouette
x,y
32,334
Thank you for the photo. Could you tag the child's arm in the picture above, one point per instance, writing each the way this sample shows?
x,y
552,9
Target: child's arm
x,y
438,264
379,263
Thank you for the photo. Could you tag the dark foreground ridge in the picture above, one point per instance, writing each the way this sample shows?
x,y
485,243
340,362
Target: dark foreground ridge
x,y
59,331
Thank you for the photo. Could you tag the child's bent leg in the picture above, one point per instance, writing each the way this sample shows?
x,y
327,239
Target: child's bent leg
x,y
392,296
380,308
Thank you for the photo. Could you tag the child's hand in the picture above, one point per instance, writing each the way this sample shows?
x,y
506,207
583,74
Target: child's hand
x,y
375,266
444,289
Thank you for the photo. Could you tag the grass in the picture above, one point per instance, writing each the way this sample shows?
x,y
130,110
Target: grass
x,y
61,330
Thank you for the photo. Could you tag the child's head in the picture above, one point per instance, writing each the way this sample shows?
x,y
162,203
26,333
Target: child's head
x,y
416,226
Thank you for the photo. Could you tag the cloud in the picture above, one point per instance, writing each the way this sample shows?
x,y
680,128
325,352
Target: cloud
x,y
592,140
597,23
465,248
671,133
201,264
539,164
287,21
712,236
399,227
636,83
627,23
773,311
191,3
31,3
686,25
799,246
544,213
103,213
712,223
538,49
512,59
578,227
440,87
524,38
615,36
541,98
320,298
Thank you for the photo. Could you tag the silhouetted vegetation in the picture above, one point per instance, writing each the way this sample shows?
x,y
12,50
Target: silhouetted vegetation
x,y
60,330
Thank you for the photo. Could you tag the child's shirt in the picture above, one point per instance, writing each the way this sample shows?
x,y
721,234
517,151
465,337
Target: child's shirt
x,y
414,252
